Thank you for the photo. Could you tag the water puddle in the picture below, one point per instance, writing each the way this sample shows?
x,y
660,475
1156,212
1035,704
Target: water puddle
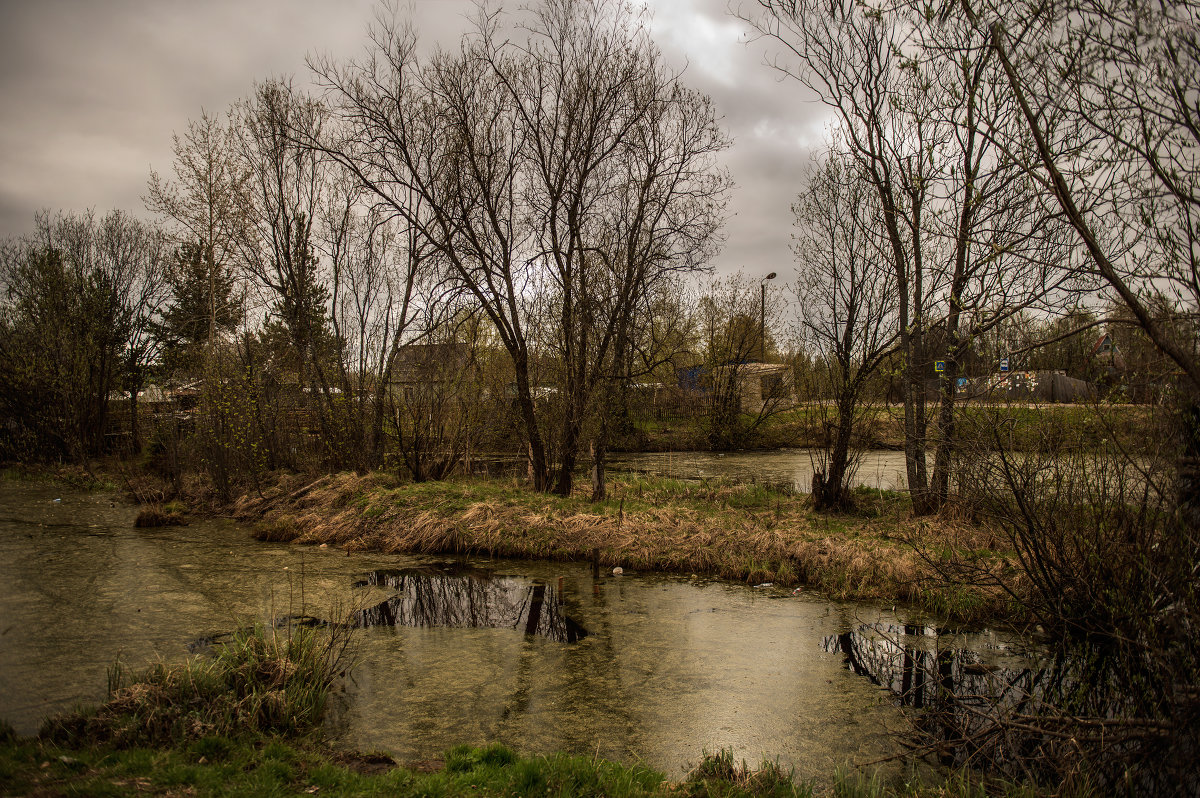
x,y
462,596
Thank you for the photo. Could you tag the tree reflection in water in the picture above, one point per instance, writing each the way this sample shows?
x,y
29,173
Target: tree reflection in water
x,y
1025,721
963,701
467,597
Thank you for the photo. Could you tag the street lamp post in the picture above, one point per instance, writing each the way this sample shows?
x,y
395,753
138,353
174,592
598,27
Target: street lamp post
x,y
762,318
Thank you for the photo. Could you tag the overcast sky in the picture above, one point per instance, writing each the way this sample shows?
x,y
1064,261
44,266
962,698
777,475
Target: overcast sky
x,y
91,92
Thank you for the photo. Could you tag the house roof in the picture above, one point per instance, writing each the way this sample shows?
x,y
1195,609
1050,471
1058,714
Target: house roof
x,y
757,369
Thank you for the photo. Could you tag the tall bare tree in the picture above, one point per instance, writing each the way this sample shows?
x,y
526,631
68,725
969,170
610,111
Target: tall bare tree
x,y
845,291
527,157
286,188
205,203
854,61
384,295
206,210
970,238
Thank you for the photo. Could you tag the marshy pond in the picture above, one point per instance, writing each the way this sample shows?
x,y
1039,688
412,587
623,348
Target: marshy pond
x,y
646,667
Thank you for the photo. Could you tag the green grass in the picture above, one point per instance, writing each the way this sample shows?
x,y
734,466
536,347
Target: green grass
x,y
627,493
264,766
264,681
258,765
719,775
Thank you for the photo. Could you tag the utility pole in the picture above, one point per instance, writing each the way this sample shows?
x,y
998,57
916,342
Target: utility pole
x,y
762,318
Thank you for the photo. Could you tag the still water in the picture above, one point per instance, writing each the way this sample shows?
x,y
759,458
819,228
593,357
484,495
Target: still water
x,y
878,468
637,667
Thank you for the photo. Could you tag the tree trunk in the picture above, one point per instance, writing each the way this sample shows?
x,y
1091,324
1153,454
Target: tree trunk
x,y
375,435
539,471
939,489
570,450
833,488
914,427
135,444
599,450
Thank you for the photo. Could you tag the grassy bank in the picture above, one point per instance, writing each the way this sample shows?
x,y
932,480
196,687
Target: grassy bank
x,y
273,766
261,681
750,533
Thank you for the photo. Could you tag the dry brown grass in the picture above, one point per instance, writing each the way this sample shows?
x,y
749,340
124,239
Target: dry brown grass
x,y
719,530
157,515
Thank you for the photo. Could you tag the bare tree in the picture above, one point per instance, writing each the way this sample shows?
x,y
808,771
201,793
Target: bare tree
x,y
206,202
286,187
525,155
1001,250
384,295
854,61
436,142
970,238
1101,108
206,208
140,254
1106,93
845,293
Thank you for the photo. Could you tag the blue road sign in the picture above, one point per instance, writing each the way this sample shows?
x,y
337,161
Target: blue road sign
x,y
1004,364
939,365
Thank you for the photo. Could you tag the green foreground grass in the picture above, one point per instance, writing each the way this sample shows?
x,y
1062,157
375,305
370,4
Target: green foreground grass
x,y
274,766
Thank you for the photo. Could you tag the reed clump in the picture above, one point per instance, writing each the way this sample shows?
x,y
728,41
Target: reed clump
x,y
159,515
262,681
721,775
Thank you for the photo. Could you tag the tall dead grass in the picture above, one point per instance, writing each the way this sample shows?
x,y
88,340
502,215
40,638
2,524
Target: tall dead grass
x,y
729,531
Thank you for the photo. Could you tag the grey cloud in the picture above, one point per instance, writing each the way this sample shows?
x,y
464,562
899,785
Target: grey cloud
x,y
93,92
